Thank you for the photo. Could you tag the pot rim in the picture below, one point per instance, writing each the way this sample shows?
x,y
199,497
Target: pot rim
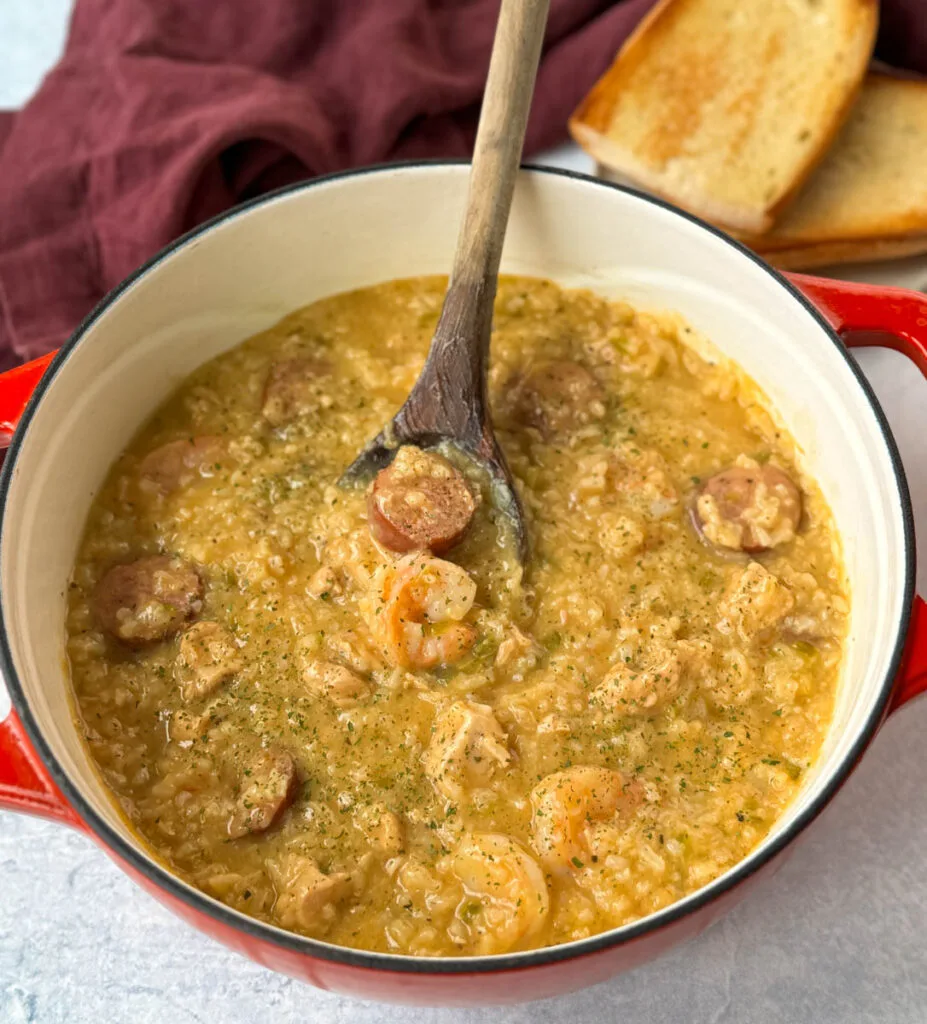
x,y
154,873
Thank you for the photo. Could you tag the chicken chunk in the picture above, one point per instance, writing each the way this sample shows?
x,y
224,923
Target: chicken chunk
x,y
468,746
356,649
643,477
307,898
185,726
382,828
754,603
294,387
323,584
515,646
337,683
208,658
620,536
268,786
640,689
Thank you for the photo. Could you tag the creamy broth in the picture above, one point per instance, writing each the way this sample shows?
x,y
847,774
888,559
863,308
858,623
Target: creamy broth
x,y
437,754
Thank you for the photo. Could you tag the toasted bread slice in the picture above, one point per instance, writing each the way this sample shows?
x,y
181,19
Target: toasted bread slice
x,y
828,254
725,106
806,252
872,185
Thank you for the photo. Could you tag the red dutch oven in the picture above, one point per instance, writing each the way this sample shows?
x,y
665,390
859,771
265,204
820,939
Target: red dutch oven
x,y
67,417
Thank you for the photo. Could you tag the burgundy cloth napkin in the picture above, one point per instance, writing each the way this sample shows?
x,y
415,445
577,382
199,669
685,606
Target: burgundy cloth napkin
x,y
162,113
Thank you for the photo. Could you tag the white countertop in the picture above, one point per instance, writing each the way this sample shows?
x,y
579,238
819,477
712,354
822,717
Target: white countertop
x,y
839,936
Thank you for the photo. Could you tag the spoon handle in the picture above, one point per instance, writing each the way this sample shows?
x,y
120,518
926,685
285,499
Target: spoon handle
x,y
449,401
450,396
500,138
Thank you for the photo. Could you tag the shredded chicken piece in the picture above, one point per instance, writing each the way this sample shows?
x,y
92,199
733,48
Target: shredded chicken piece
x,y
467,747
754,603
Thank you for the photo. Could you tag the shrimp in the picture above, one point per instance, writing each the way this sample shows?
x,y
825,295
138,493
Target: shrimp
x,y
467,747
566,805
424,600
504,900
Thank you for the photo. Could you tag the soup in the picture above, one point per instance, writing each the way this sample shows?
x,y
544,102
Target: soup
x,y
351,713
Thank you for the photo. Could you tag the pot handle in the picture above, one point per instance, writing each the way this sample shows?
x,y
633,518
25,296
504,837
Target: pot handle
x,y
865,315
25,785
16,387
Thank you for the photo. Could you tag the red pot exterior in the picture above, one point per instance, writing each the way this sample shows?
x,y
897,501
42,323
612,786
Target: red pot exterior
x,y
865,315
432,987
25,784
862,315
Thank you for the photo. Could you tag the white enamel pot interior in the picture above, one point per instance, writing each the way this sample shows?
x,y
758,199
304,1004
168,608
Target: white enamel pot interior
x,y
241,273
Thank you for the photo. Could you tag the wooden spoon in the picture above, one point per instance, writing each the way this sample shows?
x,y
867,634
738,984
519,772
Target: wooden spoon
x,y
449,403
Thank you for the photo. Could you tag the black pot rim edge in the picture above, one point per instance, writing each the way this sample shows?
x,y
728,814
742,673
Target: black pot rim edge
x,y
385,962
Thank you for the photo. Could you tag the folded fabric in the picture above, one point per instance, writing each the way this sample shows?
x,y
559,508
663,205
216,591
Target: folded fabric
x,y
162,113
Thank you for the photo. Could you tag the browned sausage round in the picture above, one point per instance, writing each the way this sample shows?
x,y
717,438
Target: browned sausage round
x,y
419,501
147,600
558,395
268,786
178,463
748,508
293,388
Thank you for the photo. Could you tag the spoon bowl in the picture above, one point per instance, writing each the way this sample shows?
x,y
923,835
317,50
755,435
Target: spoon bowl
x,y
448,404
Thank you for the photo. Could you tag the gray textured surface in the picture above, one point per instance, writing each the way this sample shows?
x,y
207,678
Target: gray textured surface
x,y
31,35
839,936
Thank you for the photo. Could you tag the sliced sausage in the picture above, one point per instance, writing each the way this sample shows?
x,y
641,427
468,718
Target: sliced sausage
x,y
557,396
294,387
208,657
178,463
748,508
419,501
149,599
268,786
